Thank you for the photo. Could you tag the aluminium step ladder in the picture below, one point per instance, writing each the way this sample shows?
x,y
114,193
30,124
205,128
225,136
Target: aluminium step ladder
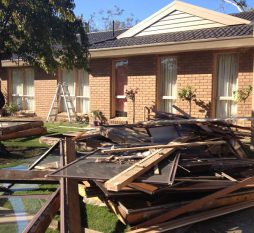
x,y
62,91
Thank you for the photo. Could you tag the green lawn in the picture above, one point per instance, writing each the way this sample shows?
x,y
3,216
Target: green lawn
x,y
52,128
96,218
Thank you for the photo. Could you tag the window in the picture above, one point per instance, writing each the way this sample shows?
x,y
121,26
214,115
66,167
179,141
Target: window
x,y
78,86
23,88
168,76
121,83
227,84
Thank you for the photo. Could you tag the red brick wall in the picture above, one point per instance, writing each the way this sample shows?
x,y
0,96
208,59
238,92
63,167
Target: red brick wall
x,y
100,82
195,69
245,78
141,75
45,88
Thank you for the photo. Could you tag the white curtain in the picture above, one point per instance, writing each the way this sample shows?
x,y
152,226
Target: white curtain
x,y
17,87
29,89
227,84
69,78
83,94
168,75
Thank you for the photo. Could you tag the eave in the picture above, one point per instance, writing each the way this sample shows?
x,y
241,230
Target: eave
x,y
173,47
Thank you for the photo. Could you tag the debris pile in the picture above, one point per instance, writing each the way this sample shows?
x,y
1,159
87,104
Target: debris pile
x,y
168,172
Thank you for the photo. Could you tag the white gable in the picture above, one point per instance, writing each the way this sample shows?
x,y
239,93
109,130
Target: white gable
x,y
180,16
179,21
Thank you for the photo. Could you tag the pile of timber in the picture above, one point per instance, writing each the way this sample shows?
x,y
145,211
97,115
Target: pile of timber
x,y
20,129
167,173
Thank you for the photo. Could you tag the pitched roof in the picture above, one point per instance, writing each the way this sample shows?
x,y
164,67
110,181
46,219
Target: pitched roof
x,y
209,33
103,40
181,16
249,15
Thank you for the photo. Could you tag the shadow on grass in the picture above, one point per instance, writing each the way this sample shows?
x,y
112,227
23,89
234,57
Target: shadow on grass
x,y
100,219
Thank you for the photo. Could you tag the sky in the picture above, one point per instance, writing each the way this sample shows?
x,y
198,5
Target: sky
x,y
144,8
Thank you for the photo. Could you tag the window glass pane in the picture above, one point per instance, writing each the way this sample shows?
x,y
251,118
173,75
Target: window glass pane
x,y
83,92
17,87
227,84
168,75
29,89
69,78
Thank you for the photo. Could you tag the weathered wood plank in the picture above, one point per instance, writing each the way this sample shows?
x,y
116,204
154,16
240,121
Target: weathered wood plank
x,y
196,204
172,145
130,174
24,176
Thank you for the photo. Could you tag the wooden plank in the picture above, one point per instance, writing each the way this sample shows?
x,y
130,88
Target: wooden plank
x,y
24,133
171,145
196,204
130,174
136,215
24,176
146,188
42,219
194,218
71,191
20,126
193,121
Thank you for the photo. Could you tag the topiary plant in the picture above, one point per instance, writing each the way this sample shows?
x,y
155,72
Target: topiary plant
x,y
131,94
241,95
188,94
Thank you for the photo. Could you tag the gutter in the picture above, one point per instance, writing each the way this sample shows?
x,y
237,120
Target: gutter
x,y
161,48
173,47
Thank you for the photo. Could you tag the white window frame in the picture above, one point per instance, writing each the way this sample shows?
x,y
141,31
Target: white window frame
x,y
23,97
226,98
75,96
173,97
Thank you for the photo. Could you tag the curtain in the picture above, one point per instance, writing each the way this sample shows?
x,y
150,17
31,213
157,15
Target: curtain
x,y
17,87
227,84
69,79
168,83
29,89
83,94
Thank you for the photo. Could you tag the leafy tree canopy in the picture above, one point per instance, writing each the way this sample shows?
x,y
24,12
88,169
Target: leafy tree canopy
x,y
44,33
241,5
103,20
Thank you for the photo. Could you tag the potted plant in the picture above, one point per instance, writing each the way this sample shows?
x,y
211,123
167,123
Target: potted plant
x,y
96,117
188,94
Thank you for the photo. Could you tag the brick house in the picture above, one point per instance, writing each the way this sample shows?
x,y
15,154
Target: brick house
x,y
179,45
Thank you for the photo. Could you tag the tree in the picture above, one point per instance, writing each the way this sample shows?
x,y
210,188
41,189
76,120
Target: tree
x,y
241,95
131,95
44,33
188,94
107,17
241,5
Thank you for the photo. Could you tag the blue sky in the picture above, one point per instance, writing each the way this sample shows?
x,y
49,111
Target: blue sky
x,y
144,8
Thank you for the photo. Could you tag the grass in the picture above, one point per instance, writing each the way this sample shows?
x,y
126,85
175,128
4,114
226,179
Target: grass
x,y
24,148
52,128
96,218
101,219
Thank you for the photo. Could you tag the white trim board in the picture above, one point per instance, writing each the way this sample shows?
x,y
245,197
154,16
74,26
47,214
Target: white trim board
x,y
178,10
